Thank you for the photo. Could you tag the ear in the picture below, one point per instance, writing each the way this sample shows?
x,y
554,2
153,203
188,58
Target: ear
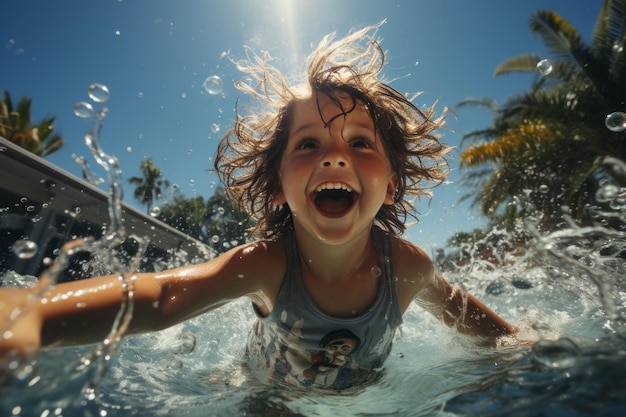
x,y
278,197
392,186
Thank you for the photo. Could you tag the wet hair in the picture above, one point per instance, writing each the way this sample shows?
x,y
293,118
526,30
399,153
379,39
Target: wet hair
x,y
249,155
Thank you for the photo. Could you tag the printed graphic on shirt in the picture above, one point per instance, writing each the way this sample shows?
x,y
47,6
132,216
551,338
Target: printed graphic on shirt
x,y
330,364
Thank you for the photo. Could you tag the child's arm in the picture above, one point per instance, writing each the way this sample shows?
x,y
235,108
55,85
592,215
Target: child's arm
x,y
83,311
456,307
418,282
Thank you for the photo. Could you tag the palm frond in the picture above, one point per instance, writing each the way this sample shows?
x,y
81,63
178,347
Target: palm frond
x,y
478,102
521,63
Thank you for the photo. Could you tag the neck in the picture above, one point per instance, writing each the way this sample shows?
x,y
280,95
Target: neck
x,y
335,262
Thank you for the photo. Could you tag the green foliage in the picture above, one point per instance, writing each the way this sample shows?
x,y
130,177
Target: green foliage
x,y
149,187
16,126
545,148
217,221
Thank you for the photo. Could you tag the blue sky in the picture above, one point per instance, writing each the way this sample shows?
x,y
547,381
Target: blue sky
x,y
154,56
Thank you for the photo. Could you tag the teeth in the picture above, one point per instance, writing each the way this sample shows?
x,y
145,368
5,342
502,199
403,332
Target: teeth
x,y
334,186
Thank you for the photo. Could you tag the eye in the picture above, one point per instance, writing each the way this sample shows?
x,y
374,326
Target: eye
x,y
361,143
307,144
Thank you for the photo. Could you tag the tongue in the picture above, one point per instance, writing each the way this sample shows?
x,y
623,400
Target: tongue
x,y
333,205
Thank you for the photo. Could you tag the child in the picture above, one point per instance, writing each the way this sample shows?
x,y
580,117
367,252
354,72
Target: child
x,y
325,172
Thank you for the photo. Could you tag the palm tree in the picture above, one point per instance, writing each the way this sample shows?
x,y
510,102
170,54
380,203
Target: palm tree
x,y
149,186
551,140
15,125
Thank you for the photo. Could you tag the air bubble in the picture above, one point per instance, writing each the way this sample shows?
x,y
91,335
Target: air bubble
x,y
544,67
376,271
98,93
213,85
155,211
24,249
543,189
616,121
215,128
83,110
215,239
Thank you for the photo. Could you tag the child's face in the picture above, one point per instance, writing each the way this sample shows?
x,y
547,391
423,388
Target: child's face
x,y
334,178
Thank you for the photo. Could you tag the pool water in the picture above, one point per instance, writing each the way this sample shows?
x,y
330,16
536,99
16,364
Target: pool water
x,y
195,369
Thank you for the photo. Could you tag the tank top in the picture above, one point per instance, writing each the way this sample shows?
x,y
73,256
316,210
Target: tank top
x,y
300,345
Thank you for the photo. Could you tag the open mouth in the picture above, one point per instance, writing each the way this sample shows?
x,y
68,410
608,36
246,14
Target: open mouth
x,y
334,201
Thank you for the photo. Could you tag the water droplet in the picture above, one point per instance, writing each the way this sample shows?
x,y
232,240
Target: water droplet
x,y
24,249
103,112
215,239
83,110
187,343
215,128
376,271
155,211
495,288
560,353
616,121
98,92
544,67
213,85
607,192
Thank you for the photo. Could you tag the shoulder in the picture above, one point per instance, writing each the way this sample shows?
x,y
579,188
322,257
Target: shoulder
x,y
265,258
266,261
413,269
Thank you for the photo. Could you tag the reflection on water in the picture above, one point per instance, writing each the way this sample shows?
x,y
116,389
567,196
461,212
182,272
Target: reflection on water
x,y
567,288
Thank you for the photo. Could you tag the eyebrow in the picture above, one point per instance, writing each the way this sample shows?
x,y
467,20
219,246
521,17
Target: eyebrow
x,y
360,125
303,127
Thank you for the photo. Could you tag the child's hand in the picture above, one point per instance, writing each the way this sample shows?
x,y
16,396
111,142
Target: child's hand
x,y
20,324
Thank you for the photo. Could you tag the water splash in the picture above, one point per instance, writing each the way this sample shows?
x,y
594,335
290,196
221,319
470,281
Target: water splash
x,y
94,363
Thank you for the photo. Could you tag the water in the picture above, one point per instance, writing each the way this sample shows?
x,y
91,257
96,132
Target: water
x,y
566,292
195,368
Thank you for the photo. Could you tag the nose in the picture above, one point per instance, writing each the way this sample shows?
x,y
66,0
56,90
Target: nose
x,y
335,157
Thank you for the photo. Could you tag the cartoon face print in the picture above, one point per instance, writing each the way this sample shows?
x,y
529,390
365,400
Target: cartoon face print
x,y
337,351
336,346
